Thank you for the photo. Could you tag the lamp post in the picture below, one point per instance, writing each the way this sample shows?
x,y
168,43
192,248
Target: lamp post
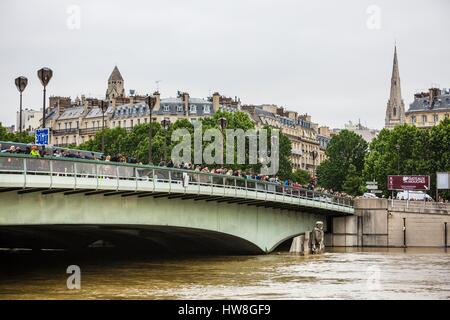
x,y
165,124
103,107
222,123
21,83
398,158
314,156
44,74
151,101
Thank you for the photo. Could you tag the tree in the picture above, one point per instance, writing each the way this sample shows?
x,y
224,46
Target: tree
x,y
345,149
22,137
353,183
408,150
301,176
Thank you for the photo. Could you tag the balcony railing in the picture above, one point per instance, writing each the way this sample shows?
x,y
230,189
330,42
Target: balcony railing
x,y
136,174
60,132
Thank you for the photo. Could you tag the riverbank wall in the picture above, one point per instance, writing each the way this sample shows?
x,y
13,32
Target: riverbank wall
x,y
392,223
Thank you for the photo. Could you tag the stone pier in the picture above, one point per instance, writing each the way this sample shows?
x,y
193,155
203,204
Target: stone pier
x,y
387,223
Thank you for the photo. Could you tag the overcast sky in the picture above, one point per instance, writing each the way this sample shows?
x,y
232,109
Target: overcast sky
x,y
331,59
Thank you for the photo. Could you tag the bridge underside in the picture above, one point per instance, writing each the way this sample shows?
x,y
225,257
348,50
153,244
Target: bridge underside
x,y
154,222
147,239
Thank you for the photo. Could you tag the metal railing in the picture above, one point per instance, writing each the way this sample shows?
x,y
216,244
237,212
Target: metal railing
x,y
80,168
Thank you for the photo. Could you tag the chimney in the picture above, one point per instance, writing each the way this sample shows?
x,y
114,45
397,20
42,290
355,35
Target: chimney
x,y
216,101
185,99
158,100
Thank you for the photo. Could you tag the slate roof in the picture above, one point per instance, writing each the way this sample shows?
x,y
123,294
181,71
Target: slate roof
x,y
440,103
115,75
71,113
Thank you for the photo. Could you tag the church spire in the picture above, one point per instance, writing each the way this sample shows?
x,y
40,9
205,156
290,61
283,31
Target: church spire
x,y
395,111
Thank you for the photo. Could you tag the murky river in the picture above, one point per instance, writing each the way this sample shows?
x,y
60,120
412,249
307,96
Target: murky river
x,y
368,274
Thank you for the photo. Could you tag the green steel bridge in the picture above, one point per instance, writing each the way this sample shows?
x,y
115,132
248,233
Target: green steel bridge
x,y
73,203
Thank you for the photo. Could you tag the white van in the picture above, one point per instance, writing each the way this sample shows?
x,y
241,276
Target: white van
x,y
413,195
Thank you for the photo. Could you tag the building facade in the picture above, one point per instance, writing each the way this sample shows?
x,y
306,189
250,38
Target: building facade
x,y
30,120
301,131
429,108
395,109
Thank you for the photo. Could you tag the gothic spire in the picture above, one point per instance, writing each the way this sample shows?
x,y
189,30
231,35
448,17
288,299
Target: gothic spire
x,y
395,111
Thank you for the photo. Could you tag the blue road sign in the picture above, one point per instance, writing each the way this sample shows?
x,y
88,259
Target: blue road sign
x,y
41,136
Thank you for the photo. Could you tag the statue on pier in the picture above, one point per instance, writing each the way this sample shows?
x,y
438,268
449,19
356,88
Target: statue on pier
x,y
317,238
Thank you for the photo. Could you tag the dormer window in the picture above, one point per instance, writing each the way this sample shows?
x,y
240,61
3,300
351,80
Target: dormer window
x,y
193,108
166,108
179,108
206,108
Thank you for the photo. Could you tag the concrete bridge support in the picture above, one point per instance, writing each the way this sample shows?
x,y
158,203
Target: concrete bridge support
x,y
387,223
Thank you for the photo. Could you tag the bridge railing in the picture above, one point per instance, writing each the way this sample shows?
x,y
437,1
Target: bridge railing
x,y
80,168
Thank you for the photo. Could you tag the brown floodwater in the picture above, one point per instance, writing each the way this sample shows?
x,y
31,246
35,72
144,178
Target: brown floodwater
x,y
337,274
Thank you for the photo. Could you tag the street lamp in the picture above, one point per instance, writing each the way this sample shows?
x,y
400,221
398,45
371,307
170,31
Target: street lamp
x,y
103,107
151,101
314,156
165,124
222,123
21,83
44,74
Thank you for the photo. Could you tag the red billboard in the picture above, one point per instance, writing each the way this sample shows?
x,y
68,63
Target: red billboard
x,y
408,182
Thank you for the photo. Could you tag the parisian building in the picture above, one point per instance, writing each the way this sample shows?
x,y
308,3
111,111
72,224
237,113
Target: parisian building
x,y
75,122
30,120
429,108
307,145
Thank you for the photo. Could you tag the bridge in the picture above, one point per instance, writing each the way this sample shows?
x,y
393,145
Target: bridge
x,y
74,203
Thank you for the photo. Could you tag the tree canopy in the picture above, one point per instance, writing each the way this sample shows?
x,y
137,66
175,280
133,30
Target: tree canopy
x,y
345,154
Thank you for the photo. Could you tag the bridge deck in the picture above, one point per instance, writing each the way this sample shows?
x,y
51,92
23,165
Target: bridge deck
x,y
23,174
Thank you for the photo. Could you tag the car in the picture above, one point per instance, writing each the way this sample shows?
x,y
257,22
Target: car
x,y
413,195
370,195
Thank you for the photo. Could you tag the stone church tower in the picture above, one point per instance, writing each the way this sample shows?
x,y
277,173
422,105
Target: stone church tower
x,y
115,85
395,111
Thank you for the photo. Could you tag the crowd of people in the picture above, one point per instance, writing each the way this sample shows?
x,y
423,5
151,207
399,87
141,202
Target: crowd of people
x,y
40,151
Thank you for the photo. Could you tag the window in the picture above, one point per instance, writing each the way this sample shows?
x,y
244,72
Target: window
x,y
413,119
131,122
193,108
180,108
207,108
166,108
424,119
446,116
395,112
139,121
435,118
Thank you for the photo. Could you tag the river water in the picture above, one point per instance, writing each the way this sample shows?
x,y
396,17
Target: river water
x,y
337,274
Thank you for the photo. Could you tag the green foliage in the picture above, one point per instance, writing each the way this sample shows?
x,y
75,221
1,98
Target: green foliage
x,y
135,143
344,150
408,150
23,137
301,176
353,183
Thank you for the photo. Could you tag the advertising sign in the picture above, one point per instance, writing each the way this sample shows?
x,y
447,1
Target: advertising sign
x,y
409,182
